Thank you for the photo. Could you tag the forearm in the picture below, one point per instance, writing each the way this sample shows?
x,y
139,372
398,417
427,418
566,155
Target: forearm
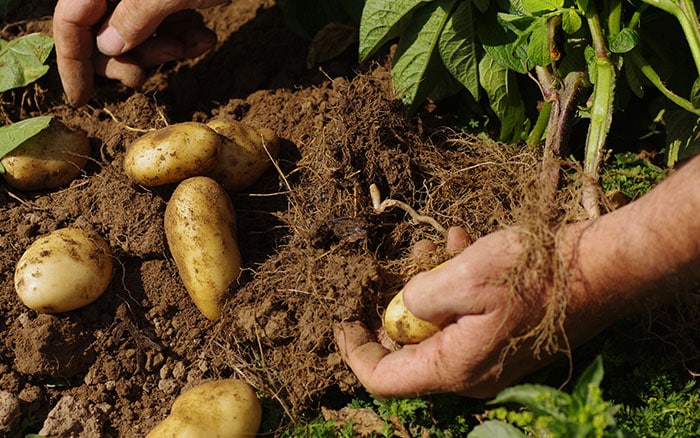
x,y
641,255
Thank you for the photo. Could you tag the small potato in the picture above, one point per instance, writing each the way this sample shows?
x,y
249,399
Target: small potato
x,y
200,228
172,154
52,158
404,327
67,269
244,153
221,408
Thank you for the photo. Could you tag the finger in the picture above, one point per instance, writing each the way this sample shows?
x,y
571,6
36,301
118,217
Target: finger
x,y
165,48
134,21
121,68
457,240
443,363
423,247
74,42
468,284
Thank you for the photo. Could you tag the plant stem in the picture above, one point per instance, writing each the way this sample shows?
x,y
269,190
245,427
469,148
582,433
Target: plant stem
x,y
601,109
685,13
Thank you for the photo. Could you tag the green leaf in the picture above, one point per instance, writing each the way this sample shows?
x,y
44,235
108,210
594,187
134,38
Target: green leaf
x,y
502,43
571,21
538,46
22,60
382,21
504,97
11,136
496,429
540,399
459,49
624,41
592,376
415,51
535,6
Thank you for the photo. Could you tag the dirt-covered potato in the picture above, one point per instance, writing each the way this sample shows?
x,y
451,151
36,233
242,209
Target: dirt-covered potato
x,y
404,327
173,154
52,158
67,269
200,228
221,408
245,153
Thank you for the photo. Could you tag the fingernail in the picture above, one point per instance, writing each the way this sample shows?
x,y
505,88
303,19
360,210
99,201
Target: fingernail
x,y
110,42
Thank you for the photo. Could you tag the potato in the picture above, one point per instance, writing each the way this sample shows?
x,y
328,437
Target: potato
x,y
244,157
221,408
67,269
52,158
404,327
173,154
200,228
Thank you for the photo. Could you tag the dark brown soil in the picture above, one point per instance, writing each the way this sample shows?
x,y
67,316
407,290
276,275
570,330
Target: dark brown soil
x,y
314,251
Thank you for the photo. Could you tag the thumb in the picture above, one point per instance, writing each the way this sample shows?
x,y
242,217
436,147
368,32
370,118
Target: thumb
x,y
134,21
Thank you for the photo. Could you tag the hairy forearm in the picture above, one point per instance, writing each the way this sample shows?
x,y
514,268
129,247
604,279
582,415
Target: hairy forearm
x,y
640,255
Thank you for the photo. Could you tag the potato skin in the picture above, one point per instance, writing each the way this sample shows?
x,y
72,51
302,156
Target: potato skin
x,y
220,408
243,154
200,228
172,154
64,270
404,327
52,158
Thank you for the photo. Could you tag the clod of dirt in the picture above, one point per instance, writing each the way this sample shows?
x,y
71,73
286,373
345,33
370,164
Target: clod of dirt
x,y
9,412
70,418
52,346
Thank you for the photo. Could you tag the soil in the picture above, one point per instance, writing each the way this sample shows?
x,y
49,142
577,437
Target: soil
x,y
315,252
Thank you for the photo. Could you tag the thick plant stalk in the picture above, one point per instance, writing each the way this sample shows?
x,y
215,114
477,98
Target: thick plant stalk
x,y
600,115
563,98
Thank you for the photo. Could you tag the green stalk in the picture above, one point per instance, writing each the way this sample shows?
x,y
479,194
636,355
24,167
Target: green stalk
x,y
685,13
638,60
602,99
540,125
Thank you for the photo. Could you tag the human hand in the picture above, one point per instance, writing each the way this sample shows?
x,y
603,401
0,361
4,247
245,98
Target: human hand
x,y
466,356
136,35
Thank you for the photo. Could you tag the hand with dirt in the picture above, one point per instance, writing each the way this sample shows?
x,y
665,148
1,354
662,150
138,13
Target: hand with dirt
x,y
635,258
120,44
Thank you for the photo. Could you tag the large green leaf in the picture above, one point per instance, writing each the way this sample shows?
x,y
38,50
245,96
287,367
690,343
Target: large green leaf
x,y
540,399
416,49
504,97
538,44
502,43
382,21
496,429
459,47
15,134
22,60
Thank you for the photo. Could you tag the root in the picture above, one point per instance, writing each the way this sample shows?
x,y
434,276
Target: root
x,y
380,206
